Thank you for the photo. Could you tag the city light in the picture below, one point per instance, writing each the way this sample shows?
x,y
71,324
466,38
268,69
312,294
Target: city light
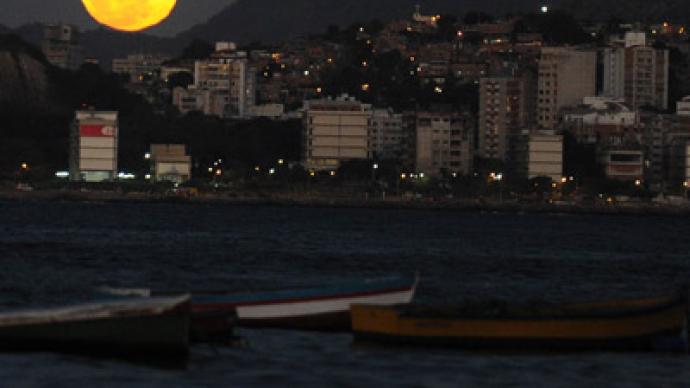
x,y
24,166
438,90
332,173
219,172
544,9
147,156
62,174
403,176
126,176
147,177
365,87
281,162
376,166
272,171
638,182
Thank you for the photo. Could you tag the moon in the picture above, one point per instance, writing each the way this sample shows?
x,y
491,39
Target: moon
x,y
129,15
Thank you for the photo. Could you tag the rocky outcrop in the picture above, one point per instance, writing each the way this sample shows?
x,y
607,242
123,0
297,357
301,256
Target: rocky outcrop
x,y
24,79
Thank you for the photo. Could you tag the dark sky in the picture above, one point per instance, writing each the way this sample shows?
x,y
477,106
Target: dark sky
x,y
14,13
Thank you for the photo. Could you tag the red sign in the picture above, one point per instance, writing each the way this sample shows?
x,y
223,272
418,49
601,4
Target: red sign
x,y
97,131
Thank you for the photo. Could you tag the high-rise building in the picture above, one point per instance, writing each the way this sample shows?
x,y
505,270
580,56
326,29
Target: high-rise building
x,y
94,146
229,74
61,46
444,143
638,74
387,135
502,115
335,130
566,76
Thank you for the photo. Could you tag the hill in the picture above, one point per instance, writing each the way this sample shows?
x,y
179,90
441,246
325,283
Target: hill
x,y
676,11
271,21
105,44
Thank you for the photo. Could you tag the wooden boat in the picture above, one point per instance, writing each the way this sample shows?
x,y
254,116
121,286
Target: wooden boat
x,y
321,308
640,324
127,328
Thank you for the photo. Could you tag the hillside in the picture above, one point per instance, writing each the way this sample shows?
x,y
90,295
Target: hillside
x,y
105,44
24,79
676,11
271,21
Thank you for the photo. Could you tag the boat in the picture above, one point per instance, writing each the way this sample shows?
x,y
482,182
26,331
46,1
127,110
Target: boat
x,y
324,308
126,328
624,325
321,308
208,326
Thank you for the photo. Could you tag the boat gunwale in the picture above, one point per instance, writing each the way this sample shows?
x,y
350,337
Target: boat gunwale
x,y
437,313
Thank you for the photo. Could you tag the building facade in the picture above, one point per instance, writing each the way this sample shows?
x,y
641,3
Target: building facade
x,y
229,73
444,143
170,163
94,146
566,76
61,46
387,135
502,115
545,156
138,66
638,74
334,131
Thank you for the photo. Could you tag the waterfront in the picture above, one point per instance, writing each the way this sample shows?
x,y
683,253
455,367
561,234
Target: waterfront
x,y
54,253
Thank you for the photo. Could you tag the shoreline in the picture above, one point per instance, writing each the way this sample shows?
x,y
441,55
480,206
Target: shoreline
x,y
321,201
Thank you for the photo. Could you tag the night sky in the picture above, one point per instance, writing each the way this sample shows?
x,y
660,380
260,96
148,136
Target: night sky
x,y
14,13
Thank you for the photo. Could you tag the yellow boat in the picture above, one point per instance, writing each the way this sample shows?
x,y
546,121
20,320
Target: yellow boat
x,y
639,324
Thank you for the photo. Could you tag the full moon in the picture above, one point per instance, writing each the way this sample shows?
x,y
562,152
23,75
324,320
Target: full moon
x,y
129,15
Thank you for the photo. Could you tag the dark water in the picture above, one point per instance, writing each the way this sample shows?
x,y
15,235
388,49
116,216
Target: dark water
x,y
57,253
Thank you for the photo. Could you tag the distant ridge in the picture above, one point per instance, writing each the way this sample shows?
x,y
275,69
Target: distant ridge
x,y
271,21
677,11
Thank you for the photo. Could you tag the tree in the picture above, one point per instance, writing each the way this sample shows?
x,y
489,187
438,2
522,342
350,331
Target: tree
x,y
197,49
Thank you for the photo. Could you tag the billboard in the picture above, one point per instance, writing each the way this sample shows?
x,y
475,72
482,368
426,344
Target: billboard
x,y
97,131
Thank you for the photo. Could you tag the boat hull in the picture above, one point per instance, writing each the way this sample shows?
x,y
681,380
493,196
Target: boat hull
x,y
661,328
152,336
156,326
326,311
